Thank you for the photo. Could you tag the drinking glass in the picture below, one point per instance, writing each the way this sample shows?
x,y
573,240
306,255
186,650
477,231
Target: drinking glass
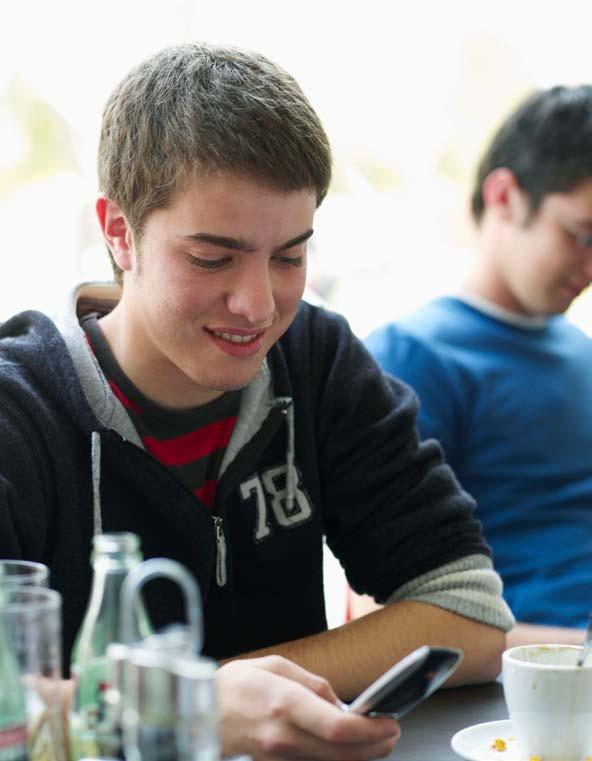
x,y
30,669
23,572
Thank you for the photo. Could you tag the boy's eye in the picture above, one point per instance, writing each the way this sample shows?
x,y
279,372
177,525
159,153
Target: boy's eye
x,y
207,264
215,264
584,240
290,261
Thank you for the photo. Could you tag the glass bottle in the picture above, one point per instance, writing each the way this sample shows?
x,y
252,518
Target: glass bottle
x,y
114,555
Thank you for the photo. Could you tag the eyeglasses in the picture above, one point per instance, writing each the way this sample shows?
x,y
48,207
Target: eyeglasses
x,y
582,239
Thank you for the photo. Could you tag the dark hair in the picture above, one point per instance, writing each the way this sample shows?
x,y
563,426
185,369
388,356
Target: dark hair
x,y
194,110
546,142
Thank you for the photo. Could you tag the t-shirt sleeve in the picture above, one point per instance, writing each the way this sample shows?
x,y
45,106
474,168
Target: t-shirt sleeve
x,y
410,359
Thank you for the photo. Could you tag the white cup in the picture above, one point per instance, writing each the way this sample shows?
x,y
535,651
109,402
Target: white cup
x,y
549,700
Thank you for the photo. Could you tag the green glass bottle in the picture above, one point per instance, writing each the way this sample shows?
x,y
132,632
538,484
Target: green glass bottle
x,y
114,555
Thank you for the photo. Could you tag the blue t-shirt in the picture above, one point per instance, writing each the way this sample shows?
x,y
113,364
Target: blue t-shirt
x,y
512,407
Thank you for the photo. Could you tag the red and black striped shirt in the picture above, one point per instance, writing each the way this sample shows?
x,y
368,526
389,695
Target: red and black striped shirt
x,y
191,443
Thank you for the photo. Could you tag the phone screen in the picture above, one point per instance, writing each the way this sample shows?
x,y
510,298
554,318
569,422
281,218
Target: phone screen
x,y
408,682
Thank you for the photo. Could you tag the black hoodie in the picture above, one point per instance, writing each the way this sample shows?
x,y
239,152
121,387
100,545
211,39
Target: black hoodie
x,y
320,409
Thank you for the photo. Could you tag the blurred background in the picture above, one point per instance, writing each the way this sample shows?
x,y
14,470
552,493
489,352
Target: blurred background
x,y
409,94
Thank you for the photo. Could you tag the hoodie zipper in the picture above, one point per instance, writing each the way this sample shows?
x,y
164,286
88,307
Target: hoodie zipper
x,y
221,575
218,521
284,405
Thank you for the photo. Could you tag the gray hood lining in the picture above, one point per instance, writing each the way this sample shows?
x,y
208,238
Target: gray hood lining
x,y
103,402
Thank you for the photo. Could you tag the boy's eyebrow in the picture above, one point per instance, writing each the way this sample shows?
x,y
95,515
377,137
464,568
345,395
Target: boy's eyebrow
x,y
238,244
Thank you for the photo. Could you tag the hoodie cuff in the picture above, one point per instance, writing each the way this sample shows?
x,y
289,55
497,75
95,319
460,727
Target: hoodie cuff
x,y
469,586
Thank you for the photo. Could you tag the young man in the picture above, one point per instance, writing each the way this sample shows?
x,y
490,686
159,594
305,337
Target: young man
x,y
233,426
504,380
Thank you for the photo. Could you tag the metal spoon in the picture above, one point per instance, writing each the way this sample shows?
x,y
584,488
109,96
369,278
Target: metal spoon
x,y
587,643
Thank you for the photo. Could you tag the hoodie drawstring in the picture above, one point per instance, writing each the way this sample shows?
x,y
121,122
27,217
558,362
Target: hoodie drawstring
x,y
286,405
95,454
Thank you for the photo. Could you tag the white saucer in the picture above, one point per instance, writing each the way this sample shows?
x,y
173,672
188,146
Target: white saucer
x,y
474,743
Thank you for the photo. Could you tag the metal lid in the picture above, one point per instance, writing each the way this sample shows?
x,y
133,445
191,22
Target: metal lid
x,y
196,685
163,687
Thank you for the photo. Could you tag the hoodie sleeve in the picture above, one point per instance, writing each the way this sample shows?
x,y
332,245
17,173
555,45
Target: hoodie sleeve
x,y
23,522
10,545
395,514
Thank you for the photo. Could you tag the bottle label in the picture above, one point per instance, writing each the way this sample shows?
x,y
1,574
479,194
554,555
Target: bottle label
x,y
89,709
90,687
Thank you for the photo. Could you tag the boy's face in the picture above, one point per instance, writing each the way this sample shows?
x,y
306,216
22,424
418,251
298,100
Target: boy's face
x,y
214,282
545,266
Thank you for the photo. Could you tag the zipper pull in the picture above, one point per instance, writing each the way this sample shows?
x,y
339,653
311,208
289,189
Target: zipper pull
x,y
220,551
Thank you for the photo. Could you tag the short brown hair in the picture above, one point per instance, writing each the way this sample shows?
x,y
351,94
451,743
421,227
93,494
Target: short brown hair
x,y
192,110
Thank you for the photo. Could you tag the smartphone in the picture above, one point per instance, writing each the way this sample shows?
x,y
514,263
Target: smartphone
x,y
408,682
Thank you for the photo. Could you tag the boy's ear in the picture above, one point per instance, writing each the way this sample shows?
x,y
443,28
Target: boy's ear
x,y
116,232
502,195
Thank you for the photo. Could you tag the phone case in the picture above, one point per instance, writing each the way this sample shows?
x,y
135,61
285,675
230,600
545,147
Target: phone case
x,y
408,682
